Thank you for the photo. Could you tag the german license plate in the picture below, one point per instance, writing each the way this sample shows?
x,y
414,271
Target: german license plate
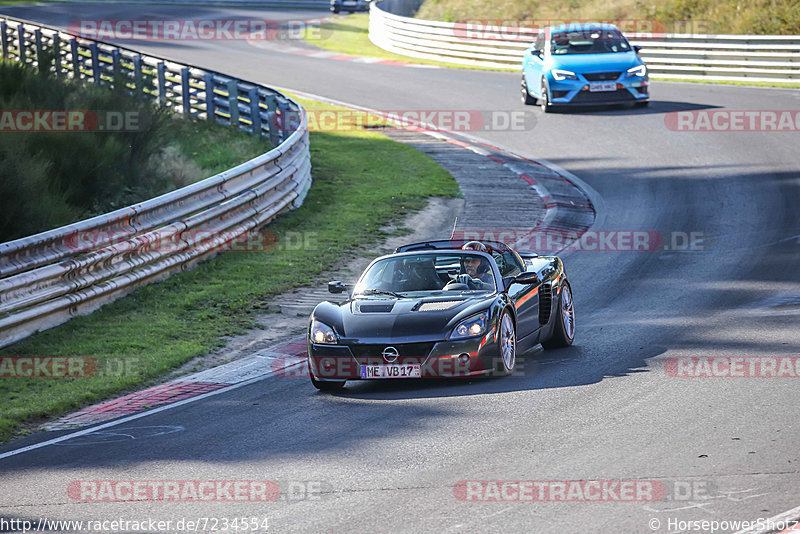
x,y
391,371
610,86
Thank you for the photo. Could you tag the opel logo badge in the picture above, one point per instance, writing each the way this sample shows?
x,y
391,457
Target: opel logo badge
x,y
390,354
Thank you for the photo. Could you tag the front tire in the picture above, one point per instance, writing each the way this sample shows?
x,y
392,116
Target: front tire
x,y
527,99
544,101
506,345
564,328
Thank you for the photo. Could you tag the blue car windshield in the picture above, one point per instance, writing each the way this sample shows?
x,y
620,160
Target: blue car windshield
x,y
596,41
427,275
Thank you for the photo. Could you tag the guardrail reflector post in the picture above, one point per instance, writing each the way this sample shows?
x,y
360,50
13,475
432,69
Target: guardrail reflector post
x,y
162,83
255,112
95,63
233,102
21,48
57,54
76,59
4,37
185,92
211,113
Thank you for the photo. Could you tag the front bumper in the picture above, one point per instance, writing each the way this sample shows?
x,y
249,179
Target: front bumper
x,y
443,359
577,93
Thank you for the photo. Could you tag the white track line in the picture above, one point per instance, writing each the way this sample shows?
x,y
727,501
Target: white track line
x,y
139,415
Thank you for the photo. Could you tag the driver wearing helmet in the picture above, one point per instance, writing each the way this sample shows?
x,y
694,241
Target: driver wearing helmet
x,y
475,268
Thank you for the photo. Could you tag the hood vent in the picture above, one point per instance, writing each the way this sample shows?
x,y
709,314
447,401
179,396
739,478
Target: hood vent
x,y
438,305
376,308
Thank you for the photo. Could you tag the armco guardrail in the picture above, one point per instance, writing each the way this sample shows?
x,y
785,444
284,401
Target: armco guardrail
x,y
753,58
49,277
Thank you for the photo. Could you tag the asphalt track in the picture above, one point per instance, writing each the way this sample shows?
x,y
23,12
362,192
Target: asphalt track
x,y
389,454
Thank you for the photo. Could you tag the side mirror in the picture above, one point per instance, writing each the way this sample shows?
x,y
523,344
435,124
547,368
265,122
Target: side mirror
x,y
536,52
637,48
336,286
525,278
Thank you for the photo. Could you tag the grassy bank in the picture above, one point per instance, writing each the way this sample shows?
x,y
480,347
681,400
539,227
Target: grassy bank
x,y
52,178
350,35
362,181
682,16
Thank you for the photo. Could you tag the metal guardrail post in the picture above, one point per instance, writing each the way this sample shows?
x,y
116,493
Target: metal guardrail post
x,y
115,68
37,39
186,97
4,38
138,75
161,74
233,102
57,54
21,48
276,120
96,73
211,110
255,110
76,59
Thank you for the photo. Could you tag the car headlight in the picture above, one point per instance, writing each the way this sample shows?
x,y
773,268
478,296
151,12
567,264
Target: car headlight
x,y
323,334
640,70
477,325
560,74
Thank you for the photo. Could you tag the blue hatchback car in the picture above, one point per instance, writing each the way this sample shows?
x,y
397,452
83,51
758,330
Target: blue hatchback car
x,y
583,64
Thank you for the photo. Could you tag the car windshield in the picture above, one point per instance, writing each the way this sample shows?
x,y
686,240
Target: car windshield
x,y
595,41
427,275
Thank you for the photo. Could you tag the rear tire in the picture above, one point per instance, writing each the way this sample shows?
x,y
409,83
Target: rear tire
x,y
564,329
527,99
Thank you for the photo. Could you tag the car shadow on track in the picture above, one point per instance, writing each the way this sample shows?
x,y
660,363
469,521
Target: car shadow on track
x,y
535,370
655,107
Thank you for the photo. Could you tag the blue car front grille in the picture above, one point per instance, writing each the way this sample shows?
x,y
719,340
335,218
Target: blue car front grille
x,y
602,76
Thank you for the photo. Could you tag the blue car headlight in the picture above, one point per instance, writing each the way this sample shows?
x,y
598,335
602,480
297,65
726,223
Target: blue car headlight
x,y
323,334
639,70
560,74
477,325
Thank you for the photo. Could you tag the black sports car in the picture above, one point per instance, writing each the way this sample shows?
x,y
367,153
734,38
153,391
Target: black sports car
x,y
434,309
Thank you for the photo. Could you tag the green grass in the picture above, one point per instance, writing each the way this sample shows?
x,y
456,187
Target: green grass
x,y
350,35
673,16
362,181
